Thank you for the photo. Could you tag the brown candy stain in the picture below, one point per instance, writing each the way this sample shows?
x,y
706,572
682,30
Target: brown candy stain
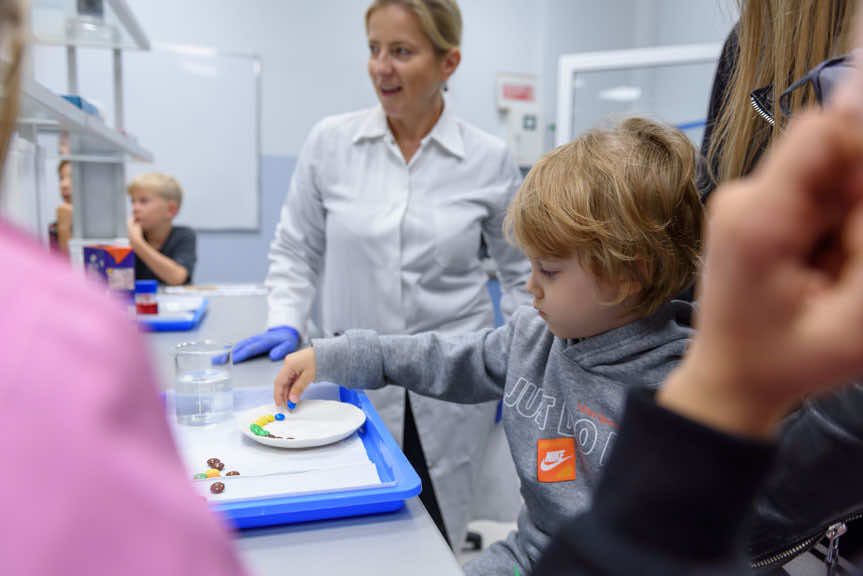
x,y
217,487
212,462
232,473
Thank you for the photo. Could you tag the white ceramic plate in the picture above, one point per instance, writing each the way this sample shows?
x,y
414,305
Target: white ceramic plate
x,y
311,423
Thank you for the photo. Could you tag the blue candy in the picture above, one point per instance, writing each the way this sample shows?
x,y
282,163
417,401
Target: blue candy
x,y
280,416
291,405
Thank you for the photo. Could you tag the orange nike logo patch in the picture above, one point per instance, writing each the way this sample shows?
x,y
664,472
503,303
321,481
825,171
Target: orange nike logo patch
x,y
555,459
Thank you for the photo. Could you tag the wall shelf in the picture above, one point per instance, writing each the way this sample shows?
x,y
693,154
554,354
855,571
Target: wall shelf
x,y
48,112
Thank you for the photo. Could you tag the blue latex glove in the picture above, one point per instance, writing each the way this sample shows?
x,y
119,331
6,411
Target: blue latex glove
x,y
279,342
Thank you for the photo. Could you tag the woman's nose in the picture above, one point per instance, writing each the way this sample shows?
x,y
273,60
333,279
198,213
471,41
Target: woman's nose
x,y
381,64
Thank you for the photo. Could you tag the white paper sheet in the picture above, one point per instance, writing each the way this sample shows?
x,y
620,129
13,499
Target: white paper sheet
x,y
266,471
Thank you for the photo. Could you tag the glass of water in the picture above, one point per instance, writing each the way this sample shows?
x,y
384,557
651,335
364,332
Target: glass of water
x,y
203,392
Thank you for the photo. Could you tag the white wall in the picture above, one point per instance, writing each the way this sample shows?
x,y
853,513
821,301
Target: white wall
x,y
687,21
314,54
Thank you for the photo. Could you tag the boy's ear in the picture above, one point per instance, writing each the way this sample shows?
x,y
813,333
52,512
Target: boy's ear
x,y
633,286
173,208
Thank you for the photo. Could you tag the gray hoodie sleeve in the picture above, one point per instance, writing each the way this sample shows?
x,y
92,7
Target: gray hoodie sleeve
x,y
466,368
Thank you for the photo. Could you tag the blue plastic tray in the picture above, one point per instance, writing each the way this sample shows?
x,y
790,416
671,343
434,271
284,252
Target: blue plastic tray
x,y
399,479
190,322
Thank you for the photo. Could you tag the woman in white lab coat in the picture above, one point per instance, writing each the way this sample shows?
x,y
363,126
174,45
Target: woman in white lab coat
x,y
382,224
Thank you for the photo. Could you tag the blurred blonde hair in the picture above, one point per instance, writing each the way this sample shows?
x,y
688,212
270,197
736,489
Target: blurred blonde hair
x,y
779,41
624,201
162,184
13,33
440,20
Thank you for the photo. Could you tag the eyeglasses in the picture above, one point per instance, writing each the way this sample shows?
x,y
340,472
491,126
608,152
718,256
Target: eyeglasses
x,y
823,78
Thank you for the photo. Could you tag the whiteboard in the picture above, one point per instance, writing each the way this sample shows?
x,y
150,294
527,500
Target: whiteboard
x,y
198,112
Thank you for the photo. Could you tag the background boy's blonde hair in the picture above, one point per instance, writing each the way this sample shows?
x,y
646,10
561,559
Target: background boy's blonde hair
x,y
624,201
162,184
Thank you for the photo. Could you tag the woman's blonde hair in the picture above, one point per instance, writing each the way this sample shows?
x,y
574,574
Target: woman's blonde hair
x,y
625,202
13,33
778,42
163,185
440,20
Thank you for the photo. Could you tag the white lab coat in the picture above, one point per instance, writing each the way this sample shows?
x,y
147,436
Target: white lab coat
x,y
392,247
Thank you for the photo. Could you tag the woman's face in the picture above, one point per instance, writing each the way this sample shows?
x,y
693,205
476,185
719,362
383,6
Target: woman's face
x,y
404,68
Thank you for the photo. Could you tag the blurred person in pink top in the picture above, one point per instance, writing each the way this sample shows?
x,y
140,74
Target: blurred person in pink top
x,y
91,482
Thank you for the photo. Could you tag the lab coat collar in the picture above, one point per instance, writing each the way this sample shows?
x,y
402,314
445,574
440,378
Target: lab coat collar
x,y
445,132
374,125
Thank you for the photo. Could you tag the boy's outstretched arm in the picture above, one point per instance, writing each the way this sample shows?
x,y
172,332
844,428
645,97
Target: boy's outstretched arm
x,y
164,268
465,368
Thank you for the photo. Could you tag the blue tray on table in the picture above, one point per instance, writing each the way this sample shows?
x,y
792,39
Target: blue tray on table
x,y
399,480
172,316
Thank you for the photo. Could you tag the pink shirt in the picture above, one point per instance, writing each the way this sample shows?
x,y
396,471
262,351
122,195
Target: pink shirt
x,y
90,480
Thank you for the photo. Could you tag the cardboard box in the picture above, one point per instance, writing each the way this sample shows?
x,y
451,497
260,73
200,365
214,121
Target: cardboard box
x,y
114,264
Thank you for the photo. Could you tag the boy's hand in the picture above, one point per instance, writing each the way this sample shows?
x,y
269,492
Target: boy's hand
x,y
298,371
65,214
136,235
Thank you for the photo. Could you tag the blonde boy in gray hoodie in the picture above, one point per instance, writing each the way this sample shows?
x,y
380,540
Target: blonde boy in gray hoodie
x,y
612,226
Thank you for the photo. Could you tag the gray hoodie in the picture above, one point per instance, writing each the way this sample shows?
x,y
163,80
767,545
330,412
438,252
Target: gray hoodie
x,y
562,400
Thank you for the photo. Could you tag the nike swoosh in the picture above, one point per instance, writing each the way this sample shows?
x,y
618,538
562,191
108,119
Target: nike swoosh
x,y
545,466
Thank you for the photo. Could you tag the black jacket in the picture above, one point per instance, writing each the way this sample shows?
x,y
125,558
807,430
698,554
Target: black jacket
x,y
817,480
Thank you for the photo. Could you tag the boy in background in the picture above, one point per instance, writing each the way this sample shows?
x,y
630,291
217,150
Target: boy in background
x,y
612,226
163,252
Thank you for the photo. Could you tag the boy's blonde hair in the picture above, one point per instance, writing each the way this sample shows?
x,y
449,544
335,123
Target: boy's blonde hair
x,y
623,201
162,184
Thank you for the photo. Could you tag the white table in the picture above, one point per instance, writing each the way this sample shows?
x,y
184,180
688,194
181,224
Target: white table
x,y
402,542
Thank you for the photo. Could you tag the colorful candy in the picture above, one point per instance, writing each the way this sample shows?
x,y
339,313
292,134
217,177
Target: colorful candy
x,y
257,426
214,471
264,420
